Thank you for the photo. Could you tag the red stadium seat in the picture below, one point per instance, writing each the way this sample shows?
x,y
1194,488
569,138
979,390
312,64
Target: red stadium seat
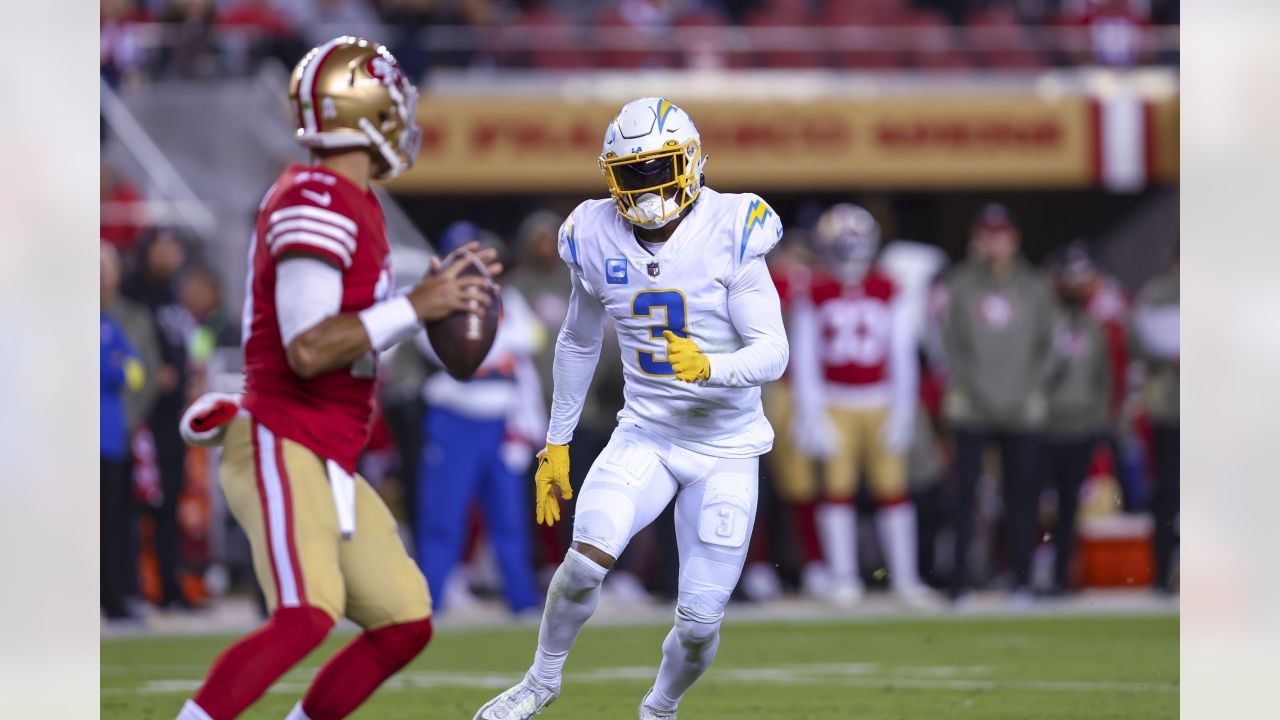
x,y
791,24
703,41
856,49
1001,41
936,42
560,41
614,55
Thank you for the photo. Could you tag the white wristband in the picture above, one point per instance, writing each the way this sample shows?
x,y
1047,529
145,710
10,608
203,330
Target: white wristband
x,y
389,322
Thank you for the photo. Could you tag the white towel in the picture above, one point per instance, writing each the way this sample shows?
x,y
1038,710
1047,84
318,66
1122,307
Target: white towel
x,y
344,498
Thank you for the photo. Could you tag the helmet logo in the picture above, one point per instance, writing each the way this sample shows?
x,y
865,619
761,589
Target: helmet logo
x,y
384,70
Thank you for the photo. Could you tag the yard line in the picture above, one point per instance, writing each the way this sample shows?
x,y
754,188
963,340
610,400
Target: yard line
x,y
857,675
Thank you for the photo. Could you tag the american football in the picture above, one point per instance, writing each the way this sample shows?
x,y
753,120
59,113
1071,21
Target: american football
x,y
462,339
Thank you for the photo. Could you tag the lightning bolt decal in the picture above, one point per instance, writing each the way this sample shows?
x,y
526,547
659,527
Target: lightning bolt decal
x,y
757,213
664,109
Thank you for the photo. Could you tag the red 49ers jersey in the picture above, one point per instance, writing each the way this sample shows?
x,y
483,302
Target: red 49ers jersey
x,y
856,323
314,212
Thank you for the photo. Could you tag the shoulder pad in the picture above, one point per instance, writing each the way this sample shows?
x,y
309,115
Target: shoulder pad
x,y
308,217
575,230
757,229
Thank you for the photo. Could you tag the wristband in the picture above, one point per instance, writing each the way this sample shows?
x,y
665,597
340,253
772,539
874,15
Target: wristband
x,y
389,322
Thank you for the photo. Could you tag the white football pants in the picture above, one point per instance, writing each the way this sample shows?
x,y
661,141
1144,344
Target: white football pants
x,y
631,483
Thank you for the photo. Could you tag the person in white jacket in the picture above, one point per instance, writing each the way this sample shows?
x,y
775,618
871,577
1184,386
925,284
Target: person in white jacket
x,y
478,442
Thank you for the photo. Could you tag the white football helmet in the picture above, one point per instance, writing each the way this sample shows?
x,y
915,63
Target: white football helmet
x,y
652,161
847,238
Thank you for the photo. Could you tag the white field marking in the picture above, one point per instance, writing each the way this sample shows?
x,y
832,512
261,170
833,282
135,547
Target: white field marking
x,y
855,675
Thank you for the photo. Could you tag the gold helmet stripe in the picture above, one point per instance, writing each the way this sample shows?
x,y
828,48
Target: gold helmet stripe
x,y
307,89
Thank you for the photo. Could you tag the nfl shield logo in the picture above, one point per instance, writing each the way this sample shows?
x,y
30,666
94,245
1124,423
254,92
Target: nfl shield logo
x,y
654,269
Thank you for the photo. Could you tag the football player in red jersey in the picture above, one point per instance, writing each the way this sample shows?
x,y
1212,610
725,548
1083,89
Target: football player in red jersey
x,y
855,376
319,309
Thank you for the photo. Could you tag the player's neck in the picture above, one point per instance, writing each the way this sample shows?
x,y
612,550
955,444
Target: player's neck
x,y
659,234
355,165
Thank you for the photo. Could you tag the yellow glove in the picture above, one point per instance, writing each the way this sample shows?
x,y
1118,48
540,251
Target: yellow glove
x,y
553,470
686,359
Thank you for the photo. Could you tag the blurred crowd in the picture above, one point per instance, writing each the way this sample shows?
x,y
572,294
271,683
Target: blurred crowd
x,y
207,38
162,317
942,427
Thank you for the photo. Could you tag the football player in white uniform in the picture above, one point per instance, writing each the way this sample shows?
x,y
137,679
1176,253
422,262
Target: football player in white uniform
x,y
680,269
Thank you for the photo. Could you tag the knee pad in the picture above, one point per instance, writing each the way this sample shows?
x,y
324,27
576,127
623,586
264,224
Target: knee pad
x,y
397,644
697,630
578,575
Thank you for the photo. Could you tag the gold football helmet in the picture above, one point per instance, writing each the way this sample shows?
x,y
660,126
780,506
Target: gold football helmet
x,y
350,92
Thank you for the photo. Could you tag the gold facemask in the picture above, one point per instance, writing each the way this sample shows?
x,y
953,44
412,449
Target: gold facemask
x,y
669,176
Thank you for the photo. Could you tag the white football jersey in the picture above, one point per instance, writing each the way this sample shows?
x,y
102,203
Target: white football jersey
x,y
684,285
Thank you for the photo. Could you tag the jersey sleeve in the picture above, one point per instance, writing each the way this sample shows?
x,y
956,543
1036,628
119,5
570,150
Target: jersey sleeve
x,y
308,219
567,241
757,230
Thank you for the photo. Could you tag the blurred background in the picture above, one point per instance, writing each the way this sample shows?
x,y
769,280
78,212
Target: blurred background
x,y
1047,128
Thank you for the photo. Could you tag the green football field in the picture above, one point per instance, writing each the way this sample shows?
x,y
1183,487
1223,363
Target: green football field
x,y
988,669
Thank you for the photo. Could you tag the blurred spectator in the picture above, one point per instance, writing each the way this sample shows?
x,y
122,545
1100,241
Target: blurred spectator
x,y
998,335
120,371
540,275
323,20
122,213
856,378
273,34
136,322
1115,30
118,52
191,47
1078,388
201,295
153,286
479,439
405,20
1155,343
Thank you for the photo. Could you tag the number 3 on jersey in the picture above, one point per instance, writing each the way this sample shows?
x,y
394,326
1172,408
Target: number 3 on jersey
x,y
673,306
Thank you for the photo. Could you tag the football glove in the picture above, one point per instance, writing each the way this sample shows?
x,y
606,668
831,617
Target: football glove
x,y
553,471
815,436
205,423
895,433
690,364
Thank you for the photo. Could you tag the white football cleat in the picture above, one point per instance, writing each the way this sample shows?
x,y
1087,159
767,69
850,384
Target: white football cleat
x,y
520,702
918,596
649,713
846,594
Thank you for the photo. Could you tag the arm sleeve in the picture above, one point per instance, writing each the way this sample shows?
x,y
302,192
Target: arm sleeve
x,y
1049,313
955,341
805,362
308,291
904,369
756,313
111,360
577,351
